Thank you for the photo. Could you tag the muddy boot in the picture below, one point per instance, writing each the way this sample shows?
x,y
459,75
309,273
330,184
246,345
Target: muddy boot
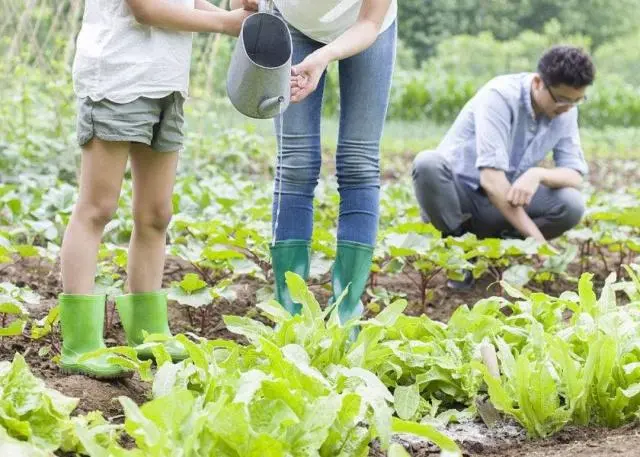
x,y
147,312
294,256
82,324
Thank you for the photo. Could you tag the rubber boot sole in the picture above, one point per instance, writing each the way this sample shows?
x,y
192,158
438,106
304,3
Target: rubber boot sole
x,y
70,370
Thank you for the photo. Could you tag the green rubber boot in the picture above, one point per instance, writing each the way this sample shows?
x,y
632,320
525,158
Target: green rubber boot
x,y
351,268
148,312
294,256
82,324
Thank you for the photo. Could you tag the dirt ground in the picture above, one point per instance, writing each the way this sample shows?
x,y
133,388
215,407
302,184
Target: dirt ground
x,y
45,280
624,442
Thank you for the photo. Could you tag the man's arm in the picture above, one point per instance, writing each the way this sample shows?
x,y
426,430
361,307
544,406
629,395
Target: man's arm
x,y
525,187
568,156
493,124
176,17
569,171
493,119
559,177
497,186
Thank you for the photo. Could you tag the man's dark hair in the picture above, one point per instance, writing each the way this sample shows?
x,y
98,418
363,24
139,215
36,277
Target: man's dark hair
x,y
566,65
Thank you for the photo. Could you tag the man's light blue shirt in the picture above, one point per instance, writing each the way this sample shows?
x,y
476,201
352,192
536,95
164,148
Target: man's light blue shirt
x,y
498,128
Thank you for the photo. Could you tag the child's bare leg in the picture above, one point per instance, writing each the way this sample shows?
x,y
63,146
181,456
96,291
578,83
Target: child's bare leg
x,y
153,179
101,174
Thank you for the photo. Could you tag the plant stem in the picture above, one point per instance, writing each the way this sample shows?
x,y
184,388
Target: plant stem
x,y
55,345
190,316
603,258
417,284
622,262
205,274
497,275
372,280
112,313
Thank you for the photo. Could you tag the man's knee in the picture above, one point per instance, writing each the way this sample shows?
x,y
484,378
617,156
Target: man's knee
x,y
428,166
573,206
565,213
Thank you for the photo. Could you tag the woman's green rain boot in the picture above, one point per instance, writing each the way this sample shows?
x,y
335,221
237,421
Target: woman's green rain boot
x,y
351,268
294,256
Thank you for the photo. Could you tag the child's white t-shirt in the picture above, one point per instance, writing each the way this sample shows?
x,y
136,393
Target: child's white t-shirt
x,y
120,60
326,20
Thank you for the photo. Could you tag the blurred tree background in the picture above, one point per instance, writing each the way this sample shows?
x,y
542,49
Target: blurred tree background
x,y
447,49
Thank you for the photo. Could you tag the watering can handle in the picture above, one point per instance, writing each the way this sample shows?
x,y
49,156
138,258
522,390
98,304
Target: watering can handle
x,y
265,6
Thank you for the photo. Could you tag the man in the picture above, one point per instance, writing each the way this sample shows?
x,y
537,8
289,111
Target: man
x,y
484,177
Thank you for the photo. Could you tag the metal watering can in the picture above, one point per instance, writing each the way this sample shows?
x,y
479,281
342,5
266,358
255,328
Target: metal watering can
x,y
258,80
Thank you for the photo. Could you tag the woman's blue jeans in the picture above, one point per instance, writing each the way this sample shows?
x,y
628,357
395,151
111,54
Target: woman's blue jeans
x,y
365,83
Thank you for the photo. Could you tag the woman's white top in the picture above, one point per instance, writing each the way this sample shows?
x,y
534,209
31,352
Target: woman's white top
x,y
326,20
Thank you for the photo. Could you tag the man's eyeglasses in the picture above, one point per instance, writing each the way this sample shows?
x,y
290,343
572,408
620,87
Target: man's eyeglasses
x,y
560,101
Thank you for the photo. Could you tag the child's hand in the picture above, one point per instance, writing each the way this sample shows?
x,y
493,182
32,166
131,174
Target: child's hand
x,y
250,5
233,21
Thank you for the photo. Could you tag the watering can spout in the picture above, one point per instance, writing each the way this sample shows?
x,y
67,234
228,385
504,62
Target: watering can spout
x,y
269,104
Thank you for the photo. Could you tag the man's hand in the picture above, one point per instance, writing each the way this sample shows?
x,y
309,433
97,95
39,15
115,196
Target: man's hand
x,y
496,185
524,188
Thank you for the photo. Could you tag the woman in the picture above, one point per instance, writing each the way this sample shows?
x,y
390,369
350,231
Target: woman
x,y
361,36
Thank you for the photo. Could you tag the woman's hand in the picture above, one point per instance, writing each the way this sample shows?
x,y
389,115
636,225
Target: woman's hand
x,y
306,75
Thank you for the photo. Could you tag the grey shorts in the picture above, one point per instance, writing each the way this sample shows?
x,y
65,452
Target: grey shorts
x,y
156,122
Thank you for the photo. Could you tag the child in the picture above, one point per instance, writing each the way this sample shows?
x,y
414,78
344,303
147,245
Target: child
x,y
131,76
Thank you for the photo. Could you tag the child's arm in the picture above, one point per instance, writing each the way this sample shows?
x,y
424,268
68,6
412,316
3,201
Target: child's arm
x,y
249,5
159,13
206,6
